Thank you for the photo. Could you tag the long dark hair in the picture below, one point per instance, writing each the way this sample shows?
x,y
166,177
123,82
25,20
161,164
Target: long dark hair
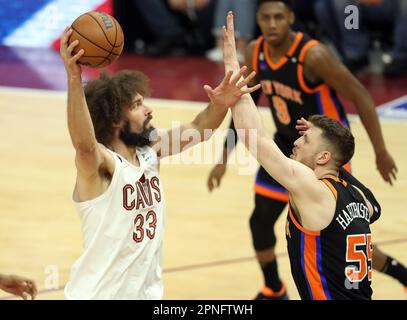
x,y
108,96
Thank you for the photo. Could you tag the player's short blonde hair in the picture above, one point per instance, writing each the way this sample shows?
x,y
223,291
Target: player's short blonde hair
x,y
338,137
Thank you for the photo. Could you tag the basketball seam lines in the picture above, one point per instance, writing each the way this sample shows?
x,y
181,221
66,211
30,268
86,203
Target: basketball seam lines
x,y
102,62
115,38
95,44
101,27
85,56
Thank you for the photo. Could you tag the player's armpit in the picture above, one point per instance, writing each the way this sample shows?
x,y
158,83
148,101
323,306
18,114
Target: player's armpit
x,y
91,162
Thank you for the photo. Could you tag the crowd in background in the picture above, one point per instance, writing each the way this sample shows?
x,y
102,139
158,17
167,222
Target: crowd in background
x,y
193,27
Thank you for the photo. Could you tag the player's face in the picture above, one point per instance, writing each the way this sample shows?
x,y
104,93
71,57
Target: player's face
x,y
139,115
137,127
274,20
307,147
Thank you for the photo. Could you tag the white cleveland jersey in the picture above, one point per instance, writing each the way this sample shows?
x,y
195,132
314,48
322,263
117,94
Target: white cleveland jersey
x,y
123,235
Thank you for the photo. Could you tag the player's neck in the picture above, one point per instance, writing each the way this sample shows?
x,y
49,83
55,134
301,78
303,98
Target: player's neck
x,y
325,172
278,51
128,153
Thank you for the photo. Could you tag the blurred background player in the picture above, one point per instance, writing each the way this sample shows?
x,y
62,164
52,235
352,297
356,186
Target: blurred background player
x,y
300,77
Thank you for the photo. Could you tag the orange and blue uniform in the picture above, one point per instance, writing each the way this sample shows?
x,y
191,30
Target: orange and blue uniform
x,y
336,262
291,96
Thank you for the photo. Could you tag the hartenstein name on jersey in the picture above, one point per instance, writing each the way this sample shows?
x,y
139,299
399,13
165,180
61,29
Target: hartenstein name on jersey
x,y
354,210
270,87
141,195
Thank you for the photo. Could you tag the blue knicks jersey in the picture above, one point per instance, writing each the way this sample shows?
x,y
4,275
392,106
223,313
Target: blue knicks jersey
x,y
336,262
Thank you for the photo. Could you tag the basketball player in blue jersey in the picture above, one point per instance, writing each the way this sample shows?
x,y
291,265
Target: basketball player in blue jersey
x,y
300,78
18,286
328,223
118,192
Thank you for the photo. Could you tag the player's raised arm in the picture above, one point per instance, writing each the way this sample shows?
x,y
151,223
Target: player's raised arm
x,y
219,170
291,174
226,94
89,154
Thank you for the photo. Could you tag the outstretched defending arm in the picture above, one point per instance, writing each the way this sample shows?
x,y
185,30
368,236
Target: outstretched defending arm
x,y
218,171
291,174
227,93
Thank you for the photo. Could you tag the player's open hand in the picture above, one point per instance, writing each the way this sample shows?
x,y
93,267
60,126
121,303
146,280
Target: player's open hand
x,y
303,125
386,166
229,91
18,286
71,62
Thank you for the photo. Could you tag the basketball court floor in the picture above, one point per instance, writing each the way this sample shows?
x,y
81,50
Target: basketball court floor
x,y
207,252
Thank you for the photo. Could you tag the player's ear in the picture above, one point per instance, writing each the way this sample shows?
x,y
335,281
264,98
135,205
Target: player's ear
x,y
292,17
323,157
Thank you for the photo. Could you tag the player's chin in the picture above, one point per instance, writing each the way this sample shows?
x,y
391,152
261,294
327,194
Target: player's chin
x,y
274,39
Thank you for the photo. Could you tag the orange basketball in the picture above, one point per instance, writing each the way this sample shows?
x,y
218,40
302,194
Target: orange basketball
x,y
100,35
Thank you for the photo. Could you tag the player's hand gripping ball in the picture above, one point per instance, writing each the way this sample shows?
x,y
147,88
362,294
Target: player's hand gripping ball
x,y
100,35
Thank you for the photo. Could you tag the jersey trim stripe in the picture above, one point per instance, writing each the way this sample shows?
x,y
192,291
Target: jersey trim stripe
x,y
347,167
303,266
269,193
300,69
338,107
303,85
337,179
295,44
331,187
311,268
319,264
271,187
283,60
255,59
305,49
300,227
326,103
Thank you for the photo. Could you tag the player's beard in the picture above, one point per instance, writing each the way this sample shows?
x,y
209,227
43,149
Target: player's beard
x,y
132,139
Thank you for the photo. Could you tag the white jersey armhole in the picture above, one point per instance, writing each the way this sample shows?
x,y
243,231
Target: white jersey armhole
x,y
118,166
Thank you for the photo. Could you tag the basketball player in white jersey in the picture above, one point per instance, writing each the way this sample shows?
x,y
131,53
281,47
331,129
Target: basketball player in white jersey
x,y
118,192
